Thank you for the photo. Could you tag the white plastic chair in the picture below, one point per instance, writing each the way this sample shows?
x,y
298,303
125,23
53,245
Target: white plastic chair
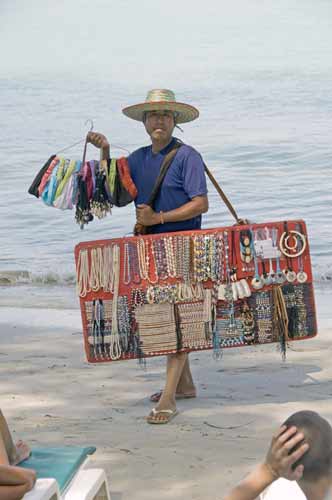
x,y
87,484
44,489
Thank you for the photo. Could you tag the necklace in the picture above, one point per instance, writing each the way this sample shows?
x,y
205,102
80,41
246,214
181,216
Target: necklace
x,y
126,265
98,328
186,259
154,264
170,258
256,282
143,259
289,273
133,259
179,255
108,272
138,297
199,257
124,322
280,276
115,346
232,327
82,274
160,258
298,249
301,276
97,269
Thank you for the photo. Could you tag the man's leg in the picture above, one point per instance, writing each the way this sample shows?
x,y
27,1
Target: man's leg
x,y
175,365
15,482
185,387
186,383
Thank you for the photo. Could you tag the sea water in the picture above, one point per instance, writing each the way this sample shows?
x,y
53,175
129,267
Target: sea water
x,y
263,88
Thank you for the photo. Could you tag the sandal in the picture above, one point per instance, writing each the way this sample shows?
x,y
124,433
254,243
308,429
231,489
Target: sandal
x,y
157,395
153,417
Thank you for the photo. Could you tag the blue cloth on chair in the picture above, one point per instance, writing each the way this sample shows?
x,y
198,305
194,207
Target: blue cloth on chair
x,y
60,463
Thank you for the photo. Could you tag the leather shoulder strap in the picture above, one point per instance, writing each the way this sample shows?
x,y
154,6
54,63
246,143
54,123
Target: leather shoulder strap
x,y
222,195
163,170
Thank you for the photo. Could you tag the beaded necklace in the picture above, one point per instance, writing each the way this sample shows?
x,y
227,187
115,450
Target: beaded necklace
x,y
115,346
143,259
154,264
228,291
220,258
212,256
184,291
124,322
138,297
177,248
97,269
301,274
126,265
108,271
134,263
199,257
82,274
98,326
170,258
148,249
186,259
280,276
207,257
159,252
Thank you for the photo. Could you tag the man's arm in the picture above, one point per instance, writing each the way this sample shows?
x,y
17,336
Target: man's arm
x,y
251,487
197,206
278,463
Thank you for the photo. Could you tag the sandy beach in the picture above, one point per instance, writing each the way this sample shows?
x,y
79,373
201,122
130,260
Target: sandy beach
x,y
52,396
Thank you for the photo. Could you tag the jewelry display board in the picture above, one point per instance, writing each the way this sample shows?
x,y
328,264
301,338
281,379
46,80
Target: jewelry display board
x,y
164,293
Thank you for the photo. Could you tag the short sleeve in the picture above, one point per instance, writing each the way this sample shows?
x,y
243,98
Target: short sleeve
x,y
193,174
131,162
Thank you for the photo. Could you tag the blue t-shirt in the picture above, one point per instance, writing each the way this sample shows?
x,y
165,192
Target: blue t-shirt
x,y
185,179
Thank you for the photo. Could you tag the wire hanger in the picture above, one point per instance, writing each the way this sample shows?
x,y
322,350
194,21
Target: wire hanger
x,y
78,142
89,121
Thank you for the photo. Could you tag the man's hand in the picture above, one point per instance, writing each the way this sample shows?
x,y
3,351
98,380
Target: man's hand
x,y
146,216
98,140
279,460
278,463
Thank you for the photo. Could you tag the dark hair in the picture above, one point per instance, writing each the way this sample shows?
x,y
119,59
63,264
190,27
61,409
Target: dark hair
x,y
317,461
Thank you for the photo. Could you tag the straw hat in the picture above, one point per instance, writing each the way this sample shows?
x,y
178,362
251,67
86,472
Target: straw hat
x,y
160,100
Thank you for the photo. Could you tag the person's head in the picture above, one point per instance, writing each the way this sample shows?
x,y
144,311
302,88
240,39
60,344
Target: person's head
x,y
317,461
159,124
160,113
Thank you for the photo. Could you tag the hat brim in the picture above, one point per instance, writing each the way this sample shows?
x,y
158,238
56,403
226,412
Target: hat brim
x,y
184,112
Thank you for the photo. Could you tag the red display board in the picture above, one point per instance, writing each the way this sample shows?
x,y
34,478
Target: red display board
x,y
187,291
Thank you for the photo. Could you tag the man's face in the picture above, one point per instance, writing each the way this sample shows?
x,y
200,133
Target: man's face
x,y
159,125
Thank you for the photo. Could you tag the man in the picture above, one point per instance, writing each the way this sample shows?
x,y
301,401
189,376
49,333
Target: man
x,y
298,464
178,207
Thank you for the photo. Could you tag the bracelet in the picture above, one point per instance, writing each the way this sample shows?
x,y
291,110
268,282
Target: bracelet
x,y
162,220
